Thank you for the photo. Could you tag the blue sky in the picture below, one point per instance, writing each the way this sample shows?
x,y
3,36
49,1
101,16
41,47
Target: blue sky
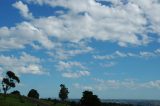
x,y
111,47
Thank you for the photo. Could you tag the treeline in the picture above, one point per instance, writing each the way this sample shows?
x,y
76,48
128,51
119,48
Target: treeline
x,y
87,99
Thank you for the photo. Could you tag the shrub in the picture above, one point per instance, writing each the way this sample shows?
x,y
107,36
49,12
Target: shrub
x,y
16,93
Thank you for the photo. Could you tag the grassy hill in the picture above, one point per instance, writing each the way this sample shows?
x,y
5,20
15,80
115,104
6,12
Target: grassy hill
x,y
13,100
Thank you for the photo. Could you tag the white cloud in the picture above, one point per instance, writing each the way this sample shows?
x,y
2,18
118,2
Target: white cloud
x,y
105,57
147,54
116,84
118,54
21,35
25,64
103,85
77,74
36,47
72,69
151,10
33,69
69,50
23,8
82,87
153,84
157,51
124,24
68,65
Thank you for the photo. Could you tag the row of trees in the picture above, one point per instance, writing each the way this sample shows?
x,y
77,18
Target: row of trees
x,y
88,98
8,82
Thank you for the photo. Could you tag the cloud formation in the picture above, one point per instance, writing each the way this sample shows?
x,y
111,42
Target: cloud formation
x,y
24,64
23,8
118,54
72,69
82,87
102,85
21,35
65,51
123,23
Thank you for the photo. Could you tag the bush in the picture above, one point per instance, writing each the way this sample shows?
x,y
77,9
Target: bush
x,y
16,93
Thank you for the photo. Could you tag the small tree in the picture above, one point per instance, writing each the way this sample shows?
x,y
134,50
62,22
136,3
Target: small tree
x,y
88,99
63,93
9,81
33,94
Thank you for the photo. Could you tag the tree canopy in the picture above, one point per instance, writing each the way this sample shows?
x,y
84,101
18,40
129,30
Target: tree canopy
x,y
33,94
88,99
9,81
63,93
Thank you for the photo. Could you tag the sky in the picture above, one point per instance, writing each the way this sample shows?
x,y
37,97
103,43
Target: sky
x,y
111,47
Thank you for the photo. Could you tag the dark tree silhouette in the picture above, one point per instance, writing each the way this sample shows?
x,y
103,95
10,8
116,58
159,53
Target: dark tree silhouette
x,y
33,94
88,99
63,93
9,81
16,93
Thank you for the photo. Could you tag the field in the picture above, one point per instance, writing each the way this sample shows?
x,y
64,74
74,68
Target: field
x,y
13,100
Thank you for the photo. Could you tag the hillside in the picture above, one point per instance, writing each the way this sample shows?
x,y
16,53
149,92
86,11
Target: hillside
x,y
13,100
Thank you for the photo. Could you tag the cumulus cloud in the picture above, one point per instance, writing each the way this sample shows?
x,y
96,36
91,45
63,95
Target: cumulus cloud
x,y
23,8
24,64
124,24
64,51
68,65
21,35
151,11
72,69
75,74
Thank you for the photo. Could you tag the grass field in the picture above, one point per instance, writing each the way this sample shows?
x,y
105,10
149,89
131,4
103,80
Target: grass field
x,y
13,100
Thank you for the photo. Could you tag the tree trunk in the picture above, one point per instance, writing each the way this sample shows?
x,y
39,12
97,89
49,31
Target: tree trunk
x,y
5,91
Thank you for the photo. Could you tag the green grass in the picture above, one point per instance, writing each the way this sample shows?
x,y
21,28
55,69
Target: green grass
x,y
13,100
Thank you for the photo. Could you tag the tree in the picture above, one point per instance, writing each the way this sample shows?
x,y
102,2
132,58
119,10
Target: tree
x,y
33,94
88,99
9,81
63,93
